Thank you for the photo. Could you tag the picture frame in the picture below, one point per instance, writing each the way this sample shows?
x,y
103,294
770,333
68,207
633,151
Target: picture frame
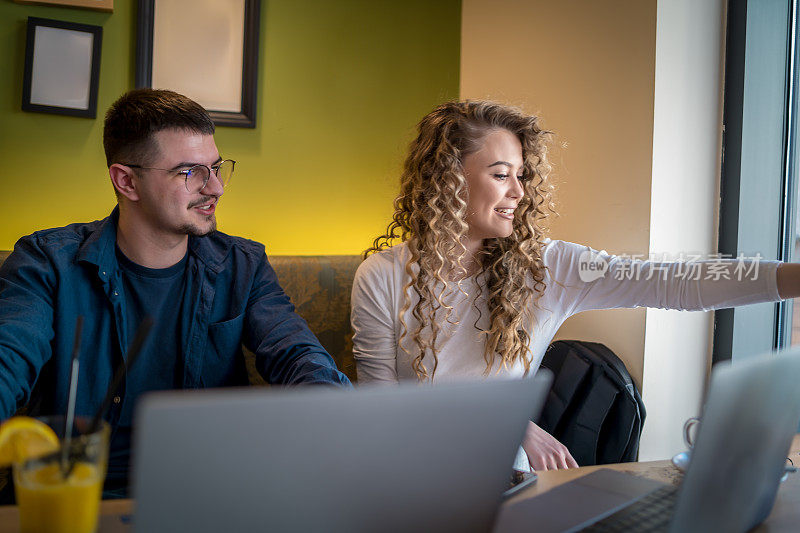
x,y
96,5
228,49
62,67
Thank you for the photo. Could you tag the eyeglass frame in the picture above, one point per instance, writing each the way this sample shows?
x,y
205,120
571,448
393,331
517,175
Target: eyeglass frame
x,y
186,173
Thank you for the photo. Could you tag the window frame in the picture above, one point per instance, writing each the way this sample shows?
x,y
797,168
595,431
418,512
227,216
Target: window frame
x,y
757,177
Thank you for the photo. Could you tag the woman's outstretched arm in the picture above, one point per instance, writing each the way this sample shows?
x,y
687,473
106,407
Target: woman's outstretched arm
x,y
584,279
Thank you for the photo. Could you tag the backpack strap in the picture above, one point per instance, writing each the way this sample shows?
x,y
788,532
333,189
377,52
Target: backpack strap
x,y
572,374
589,419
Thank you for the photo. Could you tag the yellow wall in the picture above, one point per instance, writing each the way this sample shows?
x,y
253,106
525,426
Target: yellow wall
x,y
587,68
342,85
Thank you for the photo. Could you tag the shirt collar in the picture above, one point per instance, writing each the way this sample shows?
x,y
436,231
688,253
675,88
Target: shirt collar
x,y
210,249
98,248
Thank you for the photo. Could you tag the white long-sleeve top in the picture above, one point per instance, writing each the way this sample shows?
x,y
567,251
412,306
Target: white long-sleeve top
x,y
377,299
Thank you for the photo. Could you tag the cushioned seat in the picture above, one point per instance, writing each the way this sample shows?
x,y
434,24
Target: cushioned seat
x,y
319,287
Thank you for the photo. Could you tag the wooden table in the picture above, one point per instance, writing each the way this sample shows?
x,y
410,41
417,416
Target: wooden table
x,y
785,515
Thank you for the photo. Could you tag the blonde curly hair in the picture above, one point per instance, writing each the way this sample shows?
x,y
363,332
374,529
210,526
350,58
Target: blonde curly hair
x,y
430,215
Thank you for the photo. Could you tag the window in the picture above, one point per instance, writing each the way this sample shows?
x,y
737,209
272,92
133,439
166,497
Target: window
x,y
759,196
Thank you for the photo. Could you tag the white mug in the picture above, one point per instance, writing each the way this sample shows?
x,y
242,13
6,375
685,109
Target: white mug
x,y
689,435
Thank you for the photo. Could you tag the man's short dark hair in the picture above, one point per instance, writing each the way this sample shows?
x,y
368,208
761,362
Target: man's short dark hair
x,y
132,120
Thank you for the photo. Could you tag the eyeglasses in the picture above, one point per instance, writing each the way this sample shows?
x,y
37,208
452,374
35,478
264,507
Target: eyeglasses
x,y
196,177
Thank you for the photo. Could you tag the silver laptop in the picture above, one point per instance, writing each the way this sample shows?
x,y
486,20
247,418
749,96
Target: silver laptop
x,y
750,417
405,458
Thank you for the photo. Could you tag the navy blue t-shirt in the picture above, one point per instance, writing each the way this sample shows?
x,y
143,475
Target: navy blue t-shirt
x,y
158,293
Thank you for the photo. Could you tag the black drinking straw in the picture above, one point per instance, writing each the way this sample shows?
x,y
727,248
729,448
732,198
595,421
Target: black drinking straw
x,y
73,390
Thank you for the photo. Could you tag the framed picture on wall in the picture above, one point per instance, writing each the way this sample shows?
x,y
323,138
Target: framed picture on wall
x,y
97,5
62,67
205,49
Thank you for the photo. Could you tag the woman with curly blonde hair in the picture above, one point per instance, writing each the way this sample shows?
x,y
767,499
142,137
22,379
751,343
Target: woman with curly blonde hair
x,y
474,289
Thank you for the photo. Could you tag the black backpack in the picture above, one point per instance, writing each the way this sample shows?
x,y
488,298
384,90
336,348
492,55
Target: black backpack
x,y
593,407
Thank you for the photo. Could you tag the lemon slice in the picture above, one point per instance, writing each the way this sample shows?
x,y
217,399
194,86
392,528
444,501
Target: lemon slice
x,y
23,437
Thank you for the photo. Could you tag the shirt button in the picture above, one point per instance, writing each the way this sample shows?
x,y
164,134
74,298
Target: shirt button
x,y
116,293
117,399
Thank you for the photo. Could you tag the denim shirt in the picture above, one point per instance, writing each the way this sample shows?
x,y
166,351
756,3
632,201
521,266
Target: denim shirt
x,y
55,275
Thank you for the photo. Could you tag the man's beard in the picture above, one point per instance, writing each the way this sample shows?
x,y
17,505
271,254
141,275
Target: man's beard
x,y
194,231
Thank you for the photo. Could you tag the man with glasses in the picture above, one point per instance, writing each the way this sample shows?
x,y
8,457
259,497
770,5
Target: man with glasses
x,y
158,254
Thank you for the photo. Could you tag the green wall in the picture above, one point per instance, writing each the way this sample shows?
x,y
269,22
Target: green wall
x,y
341,86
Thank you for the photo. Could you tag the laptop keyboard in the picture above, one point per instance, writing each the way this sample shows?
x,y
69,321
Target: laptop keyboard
x,y
651,513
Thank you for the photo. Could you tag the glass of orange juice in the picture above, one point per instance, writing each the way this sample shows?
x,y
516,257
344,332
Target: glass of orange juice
x,y
57,496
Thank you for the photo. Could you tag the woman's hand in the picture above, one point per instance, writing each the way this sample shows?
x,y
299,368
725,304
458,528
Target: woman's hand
x,y
788,279
544,451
